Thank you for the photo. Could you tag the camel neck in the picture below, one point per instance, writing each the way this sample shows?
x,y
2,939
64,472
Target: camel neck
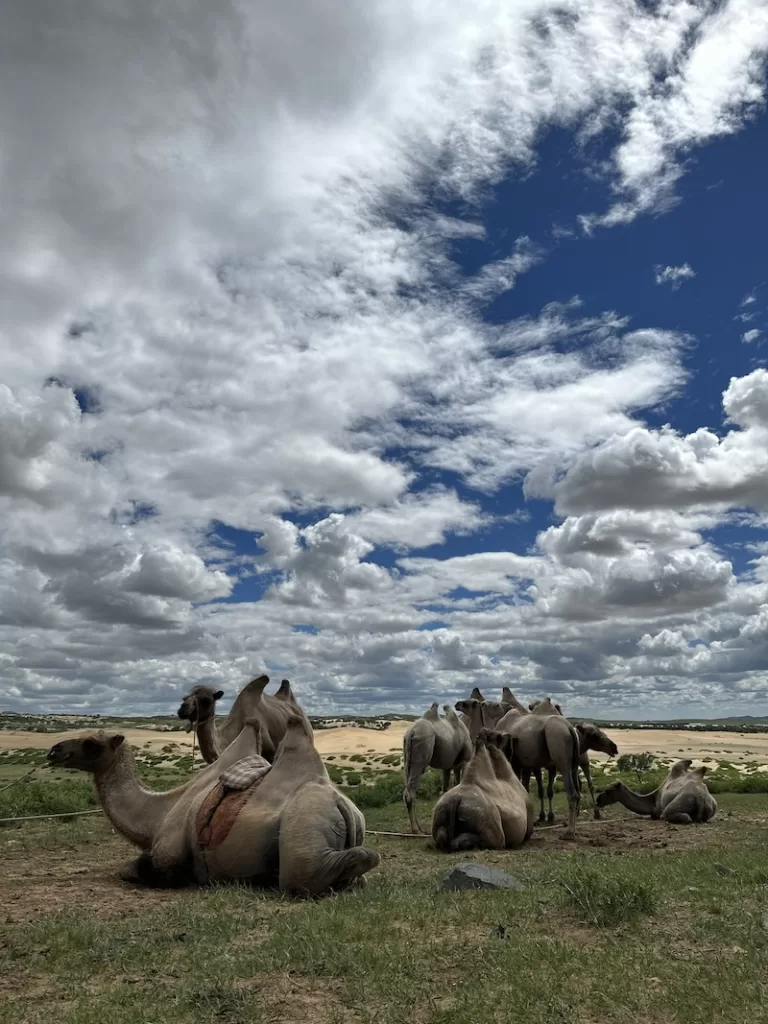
x,y
135,812
640,803
209,739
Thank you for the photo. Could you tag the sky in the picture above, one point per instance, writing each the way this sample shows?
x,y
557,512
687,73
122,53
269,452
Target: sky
x,y
393,348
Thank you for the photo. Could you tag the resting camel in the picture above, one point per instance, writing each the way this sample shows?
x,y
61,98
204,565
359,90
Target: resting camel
x,y
135,812
198,707
433,742
682,798
291,828
488,810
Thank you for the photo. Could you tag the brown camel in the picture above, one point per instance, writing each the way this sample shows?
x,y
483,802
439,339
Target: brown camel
x,y
682,798
488,810
198,707
294,830
433,742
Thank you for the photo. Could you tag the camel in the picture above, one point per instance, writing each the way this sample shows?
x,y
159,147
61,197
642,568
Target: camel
x,y
433,742
475,715
135,812
494,710
294,830
682,798
590,738
545,738
488,810
198,707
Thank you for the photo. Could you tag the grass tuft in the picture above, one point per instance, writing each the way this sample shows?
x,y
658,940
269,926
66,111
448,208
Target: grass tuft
x,y
607,899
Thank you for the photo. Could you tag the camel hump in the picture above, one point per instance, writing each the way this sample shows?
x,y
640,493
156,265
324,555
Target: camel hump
x,y
285,692
476,695
431,712
257,684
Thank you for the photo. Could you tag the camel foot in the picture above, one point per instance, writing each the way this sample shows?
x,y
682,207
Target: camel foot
x,y
129,871
550,817
568,837
597,814
542,818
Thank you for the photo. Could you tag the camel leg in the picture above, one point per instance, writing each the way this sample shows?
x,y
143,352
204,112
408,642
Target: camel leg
x,y
489,834
550,793
409,798
142,871
588,776
446,780
457,774
678,811
540,790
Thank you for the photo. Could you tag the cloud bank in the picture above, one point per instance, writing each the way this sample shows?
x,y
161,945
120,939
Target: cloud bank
x,y
232,311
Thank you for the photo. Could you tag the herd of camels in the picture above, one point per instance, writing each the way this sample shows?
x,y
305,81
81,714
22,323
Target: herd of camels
x,y
263,810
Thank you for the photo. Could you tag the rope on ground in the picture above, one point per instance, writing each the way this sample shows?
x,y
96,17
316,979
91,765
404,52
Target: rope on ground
x,y
20,779
37,817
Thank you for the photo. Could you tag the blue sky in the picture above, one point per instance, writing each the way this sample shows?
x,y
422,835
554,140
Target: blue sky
x,y
396,350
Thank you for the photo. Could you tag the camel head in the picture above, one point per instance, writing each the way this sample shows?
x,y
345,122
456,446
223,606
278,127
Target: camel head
x,y
501,741
199,705
593,738
680,767
609,795
90,751
466,707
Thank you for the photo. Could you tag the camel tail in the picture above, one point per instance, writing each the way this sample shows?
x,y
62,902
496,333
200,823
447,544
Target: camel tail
x,y
575,754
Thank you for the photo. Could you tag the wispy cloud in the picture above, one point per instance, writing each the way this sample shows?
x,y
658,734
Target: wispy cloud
x,y
748,299
674,275
750,336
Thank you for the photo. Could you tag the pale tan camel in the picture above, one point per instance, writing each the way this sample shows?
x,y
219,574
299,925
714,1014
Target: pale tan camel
x,y
433,742
198,707
682,798
590,738
488,810
475,715
135,812
494,710
294,830
544,737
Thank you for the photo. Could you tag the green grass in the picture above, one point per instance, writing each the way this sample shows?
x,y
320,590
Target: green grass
x,y
660,934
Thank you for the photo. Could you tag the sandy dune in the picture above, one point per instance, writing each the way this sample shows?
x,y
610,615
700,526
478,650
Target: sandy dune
x,y
351,739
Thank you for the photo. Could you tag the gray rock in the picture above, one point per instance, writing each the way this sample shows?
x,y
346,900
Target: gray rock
x,y
478,876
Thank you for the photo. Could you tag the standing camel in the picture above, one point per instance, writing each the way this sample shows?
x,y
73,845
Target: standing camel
x,y
494,710
682,798
198,707
542,740
433,742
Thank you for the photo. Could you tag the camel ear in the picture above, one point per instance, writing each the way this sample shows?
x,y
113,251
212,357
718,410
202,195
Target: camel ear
x,y
218,695
116,741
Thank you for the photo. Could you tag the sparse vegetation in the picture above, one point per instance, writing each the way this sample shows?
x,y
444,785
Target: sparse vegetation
x,y
670,932
608,897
